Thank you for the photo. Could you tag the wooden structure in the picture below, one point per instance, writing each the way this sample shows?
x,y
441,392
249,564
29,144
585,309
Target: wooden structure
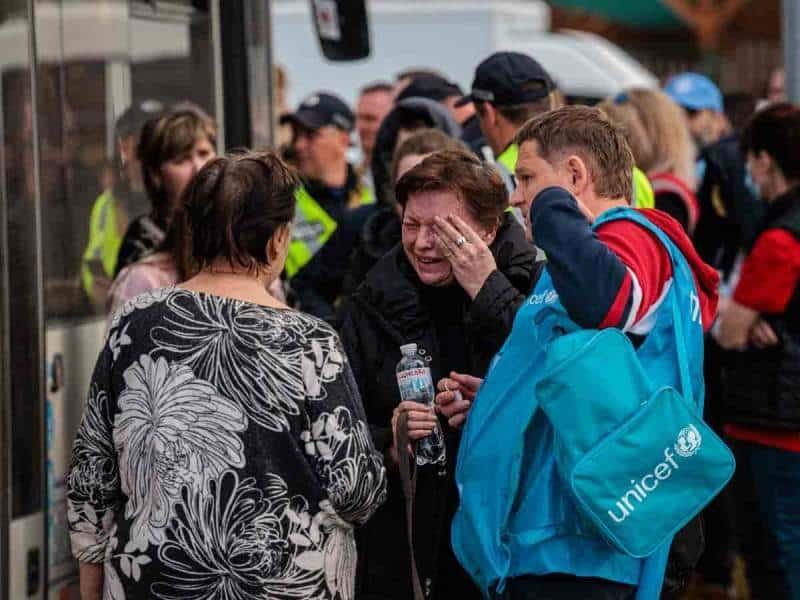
x,y
738,42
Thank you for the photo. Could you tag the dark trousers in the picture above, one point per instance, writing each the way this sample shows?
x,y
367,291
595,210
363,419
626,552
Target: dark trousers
x,y
716,562
766,488
565,587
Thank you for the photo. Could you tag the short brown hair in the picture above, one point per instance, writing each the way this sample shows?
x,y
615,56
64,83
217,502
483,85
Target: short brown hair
x,y
477,184
235,204
588,133
424,141
375,87
165,137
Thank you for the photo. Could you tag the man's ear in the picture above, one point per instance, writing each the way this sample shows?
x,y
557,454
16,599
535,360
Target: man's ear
x,y
345,138
580,178
490,113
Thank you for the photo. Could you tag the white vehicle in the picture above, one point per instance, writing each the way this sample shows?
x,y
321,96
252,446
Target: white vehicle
x,y
452,37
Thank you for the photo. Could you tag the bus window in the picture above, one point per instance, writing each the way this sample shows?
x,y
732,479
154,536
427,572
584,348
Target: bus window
x,y
171,58
94,95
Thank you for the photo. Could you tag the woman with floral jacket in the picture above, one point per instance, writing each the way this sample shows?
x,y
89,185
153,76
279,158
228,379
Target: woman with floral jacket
x,y
224,452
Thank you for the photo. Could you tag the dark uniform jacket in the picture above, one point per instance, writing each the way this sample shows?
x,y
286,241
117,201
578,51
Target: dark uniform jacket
x,y
318,284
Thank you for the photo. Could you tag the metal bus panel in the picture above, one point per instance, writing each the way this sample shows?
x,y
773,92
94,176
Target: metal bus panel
x,y
22,401
25,563
68,69
71,355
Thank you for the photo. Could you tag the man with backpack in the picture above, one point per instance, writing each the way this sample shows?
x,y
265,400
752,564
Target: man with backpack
x,y
523,529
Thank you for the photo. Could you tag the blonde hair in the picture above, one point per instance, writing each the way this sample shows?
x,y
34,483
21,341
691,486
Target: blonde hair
x,y
656,130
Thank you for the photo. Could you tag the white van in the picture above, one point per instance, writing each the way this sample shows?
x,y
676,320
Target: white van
x,y
451,37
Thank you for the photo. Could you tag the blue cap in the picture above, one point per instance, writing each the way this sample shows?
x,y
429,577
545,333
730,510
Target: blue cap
x,y
695,92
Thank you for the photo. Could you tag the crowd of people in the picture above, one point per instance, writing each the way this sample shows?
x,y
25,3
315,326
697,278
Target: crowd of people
x,y
243,433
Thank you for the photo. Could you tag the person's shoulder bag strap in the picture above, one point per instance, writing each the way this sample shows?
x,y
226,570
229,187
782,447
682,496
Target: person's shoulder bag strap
x,y
408,477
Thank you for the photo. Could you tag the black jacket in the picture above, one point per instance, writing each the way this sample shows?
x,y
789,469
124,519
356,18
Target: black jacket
x,y
472,136
392,308
143,236
730,215
318,285
381,233
763,385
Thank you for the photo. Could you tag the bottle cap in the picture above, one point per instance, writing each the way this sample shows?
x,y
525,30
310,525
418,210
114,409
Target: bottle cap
x,y
408,349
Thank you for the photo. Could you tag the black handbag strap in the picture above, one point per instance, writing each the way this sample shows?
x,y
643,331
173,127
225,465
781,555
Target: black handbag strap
x,y
408,477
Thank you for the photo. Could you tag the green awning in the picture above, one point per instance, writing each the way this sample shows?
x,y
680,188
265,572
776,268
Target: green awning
x,y
634,13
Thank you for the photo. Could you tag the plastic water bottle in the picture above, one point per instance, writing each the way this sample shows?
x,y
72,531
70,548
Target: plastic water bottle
x,y
415,383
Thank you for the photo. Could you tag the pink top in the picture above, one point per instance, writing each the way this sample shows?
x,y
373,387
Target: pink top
x,y
152,272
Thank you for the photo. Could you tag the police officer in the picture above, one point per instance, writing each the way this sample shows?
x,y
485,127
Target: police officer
x,y
118,205
509,88
332,205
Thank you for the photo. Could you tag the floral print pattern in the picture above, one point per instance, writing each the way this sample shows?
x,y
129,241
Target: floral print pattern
x,y
93,480
223,453
209,333
140,302
173,424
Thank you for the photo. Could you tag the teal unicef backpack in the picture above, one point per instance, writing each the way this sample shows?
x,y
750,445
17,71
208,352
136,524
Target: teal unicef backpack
x,y
640,462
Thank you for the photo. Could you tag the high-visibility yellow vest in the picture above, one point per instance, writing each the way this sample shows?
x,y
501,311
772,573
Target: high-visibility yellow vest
x,y
643,196
312,228
507,161
104,240
508,158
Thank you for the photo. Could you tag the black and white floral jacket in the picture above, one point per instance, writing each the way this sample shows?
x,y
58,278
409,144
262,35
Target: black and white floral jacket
x,y
223,453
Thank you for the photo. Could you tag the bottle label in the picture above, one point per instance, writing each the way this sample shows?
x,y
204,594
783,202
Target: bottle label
x,y
415,384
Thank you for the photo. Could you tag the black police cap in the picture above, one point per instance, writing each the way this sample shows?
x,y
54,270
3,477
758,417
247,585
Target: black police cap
x,y
432,87
133,118
507,78
321,109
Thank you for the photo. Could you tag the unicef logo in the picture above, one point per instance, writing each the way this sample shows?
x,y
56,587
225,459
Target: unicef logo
x,y
548,297
689,441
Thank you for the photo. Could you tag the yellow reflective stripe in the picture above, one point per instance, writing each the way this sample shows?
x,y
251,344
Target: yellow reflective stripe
x,y
311,229
367,197
508,162
643,196
508,158
104,239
